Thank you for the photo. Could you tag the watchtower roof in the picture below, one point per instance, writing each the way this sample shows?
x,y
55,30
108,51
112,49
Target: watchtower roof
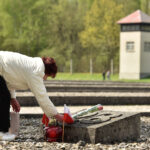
x,y
136,17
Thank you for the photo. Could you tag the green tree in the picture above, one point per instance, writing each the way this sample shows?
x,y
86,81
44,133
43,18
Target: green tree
x,y
65,29
66,21
129,6
145,6
101,34
14,16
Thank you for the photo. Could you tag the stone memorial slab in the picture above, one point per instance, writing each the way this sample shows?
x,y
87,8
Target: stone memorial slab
x,y
104,127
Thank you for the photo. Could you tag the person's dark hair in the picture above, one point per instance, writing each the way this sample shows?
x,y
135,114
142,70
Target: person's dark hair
x,y
50,66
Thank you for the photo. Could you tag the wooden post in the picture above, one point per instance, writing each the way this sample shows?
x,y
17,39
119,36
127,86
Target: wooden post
x,y
63,131
112,65
91,66
71,66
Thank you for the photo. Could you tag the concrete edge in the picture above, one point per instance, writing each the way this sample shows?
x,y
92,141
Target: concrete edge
x,y
146,114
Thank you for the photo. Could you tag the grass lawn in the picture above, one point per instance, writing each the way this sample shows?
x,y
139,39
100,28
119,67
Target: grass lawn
x,y
95,76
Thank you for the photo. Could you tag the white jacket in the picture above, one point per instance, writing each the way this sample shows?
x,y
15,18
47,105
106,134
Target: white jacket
x,y
23,72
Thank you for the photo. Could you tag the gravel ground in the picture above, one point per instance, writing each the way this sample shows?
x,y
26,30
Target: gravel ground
x,y
30,138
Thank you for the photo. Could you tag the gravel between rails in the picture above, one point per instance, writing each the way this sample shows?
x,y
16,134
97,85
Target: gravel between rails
x,y
30,138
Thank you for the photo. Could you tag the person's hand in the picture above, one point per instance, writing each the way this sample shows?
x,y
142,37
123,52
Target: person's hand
x,y
15,105
59,117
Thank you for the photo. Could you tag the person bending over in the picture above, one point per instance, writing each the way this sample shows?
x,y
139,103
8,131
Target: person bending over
x,y
21,72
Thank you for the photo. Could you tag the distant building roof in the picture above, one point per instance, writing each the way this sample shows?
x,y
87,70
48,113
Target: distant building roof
x,y
136,17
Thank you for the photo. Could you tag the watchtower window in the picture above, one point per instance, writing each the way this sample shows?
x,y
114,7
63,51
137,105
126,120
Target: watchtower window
x,y
145,27
130,46
147,46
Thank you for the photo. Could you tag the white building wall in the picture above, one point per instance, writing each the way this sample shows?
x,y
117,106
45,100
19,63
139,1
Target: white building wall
x,y
145,55
130,61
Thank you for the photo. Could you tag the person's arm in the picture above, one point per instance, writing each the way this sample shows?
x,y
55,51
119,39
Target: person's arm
x,y
15,105
12,91
37,86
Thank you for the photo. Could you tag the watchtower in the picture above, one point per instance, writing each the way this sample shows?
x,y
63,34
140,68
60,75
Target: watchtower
x,y
135,46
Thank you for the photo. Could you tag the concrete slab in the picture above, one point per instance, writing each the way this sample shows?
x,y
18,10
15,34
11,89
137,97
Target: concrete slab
x,y
104,127
94,82
85,98
73,109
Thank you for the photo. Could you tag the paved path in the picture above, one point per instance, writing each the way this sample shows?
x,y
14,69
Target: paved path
x,y
73,109
107,94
